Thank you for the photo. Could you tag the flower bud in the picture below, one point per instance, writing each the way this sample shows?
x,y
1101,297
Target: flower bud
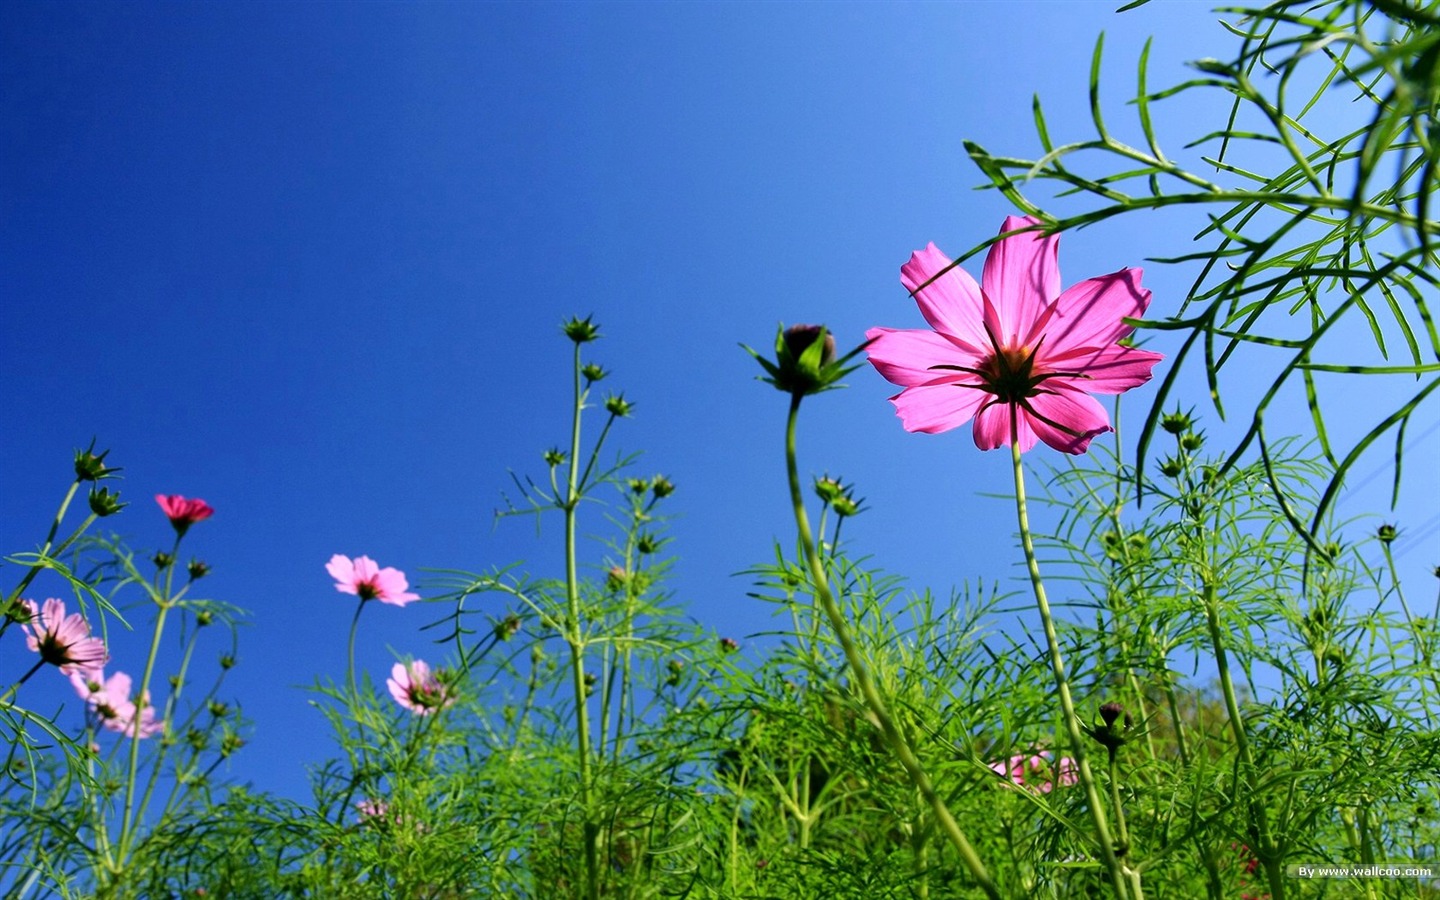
x,y
674,668
805,360
1191,441
662,487
1387,533
637,485
204,617
615,578
162,560
845,506
554,457
507,627
647,544
103,503
1176,422
729,645
581,331
227,662
592,373
198,569
90,466
1110,731
1171,467
218,709
616,405
828,489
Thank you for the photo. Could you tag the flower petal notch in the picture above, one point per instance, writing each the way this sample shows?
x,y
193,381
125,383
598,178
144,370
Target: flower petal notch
x,y
363,578
1014,353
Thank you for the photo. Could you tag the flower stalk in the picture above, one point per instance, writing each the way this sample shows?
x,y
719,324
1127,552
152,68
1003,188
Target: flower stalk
x,y
1120,878
896,740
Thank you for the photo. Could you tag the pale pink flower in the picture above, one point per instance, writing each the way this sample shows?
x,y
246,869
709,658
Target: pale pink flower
x,y
372,809
183,512
1015,353
1036,770
62,640
369,582
417,689
113,704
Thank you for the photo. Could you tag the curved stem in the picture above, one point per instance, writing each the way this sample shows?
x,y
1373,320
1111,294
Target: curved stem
x,y
1062,684
891,732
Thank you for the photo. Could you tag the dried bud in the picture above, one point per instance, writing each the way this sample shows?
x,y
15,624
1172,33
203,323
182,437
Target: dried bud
x,y
103,503
581,331
507,627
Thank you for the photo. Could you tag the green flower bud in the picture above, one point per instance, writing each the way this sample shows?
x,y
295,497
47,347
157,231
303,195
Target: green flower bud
x,y
1171,467
805,361
198,569
103,503
592,373
662,487
616,405
581,331
554,457
162,560
648,543
1387,533
1191,441
1176,422
90,466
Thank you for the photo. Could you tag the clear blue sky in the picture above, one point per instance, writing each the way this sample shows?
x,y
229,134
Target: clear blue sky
x,y
308,261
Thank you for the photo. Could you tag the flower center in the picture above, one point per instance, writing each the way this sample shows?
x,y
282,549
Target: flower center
x,y
367,590
1008,374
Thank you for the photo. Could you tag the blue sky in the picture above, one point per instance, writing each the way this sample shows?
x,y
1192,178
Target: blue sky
x,y
308,262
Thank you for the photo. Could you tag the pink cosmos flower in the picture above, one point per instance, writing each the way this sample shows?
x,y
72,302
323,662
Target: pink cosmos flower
x,y
417,689
182,512
1015,353
369,582
1035,770
113,705
62,640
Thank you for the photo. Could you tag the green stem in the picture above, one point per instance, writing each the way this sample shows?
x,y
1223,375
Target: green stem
x,y
1269,852
574,637
1062,684
891,732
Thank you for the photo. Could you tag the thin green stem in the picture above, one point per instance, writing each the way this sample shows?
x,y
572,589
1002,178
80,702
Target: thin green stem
x,y
1269,851
574,637
1062,684
888,728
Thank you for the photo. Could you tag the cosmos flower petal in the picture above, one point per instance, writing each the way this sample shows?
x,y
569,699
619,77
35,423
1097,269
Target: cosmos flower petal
x,y
391,585
1109,370
343,571
905,357
992,428
1021,277
933,408
951,304
1067,419
1091,313
365,569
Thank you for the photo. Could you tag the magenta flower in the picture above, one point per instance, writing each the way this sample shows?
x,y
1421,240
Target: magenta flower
x,y
183,512
417,689
113,704
1036,771
62,640
369,582
1015,353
